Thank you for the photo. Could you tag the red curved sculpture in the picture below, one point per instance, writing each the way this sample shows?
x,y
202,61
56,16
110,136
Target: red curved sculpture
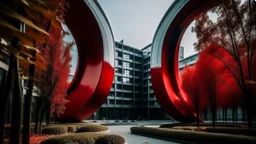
x,y
95,70
164,60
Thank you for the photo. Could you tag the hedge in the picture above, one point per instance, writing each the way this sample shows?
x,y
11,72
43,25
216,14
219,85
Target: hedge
x,y
55,130
85,138
238,131
201,124
111,139
92,128
194,137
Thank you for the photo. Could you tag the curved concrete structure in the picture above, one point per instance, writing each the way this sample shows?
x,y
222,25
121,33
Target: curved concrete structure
x,y
164,60
95,70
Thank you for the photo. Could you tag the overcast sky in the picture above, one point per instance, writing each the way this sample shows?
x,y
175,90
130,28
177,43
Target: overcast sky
x,y
136,21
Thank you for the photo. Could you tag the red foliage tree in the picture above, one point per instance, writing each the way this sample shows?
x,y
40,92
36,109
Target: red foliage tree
x,y
190,86
209,82
235,32
53,82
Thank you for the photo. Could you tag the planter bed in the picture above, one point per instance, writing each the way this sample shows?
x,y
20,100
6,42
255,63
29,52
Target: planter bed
x,y
191,136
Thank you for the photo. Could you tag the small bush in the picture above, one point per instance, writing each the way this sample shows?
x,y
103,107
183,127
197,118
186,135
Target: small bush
x,y
71,129
92,128
55,130
111,139
189,136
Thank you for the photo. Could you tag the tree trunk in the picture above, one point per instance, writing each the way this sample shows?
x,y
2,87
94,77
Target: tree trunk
x,y
5,100
197,111
27,105
48,113
249,115
16,107
38,114
43,110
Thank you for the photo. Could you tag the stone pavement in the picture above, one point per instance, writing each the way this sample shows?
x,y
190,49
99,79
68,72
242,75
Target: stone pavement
x,y
124,130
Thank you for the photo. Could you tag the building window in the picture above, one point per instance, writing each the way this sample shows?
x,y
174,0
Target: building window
x,y
147,59
131,57
111,102
138,59
127,57
138,81
128,87
138,74
118,94
138,88
119,54
118,70
137,66
119,86
119,102
127,80
118,78
127,102
127,73
128,95
119,62
112,94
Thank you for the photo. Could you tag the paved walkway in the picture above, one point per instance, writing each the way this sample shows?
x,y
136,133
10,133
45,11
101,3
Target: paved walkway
x,y
135,139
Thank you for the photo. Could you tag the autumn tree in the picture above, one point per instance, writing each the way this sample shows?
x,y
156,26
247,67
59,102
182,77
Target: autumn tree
x,y
53,81
19,47
235,32
189,79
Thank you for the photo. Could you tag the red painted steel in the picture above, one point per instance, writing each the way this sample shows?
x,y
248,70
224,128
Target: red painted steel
x,y
93,78
164,66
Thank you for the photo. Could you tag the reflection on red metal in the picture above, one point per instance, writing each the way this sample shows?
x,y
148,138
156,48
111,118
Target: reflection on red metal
x,y
164,60
95,70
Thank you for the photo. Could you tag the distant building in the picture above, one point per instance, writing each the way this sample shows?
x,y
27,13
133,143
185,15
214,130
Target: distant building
x,y
125,98
131,95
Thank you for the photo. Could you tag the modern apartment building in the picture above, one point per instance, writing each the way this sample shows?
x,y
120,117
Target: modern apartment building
x,y
125,98
131,95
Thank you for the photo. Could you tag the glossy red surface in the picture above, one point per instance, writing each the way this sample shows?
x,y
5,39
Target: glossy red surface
x,y
94,76
165,77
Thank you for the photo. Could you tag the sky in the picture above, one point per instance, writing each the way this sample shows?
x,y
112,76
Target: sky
x,y
136,22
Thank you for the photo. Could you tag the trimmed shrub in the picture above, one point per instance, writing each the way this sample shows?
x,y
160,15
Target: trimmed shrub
x,y
92,128
111,139
71,129
189,136
201,124
55,130
85,138
238,131
76,138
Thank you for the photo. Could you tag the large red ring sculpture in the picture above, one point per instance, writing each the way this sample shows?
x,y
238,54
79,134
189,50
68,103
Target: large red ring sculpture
x,y
95,69
164,59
